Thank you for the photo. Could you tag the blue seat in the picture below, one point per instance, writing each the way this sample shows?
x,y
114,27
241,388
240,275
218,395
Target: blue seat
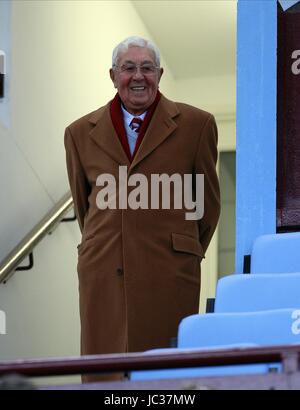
x,y
198,371
276,253
242,293
265,328
218,330
268,327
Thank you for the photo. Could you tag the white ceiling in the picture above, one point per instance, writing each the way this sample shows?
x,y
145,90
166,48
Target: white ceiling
x,y
195,37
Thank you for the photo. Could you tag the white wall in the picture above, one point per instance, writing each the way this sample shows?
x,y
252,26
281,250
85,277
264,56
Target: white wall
x,y
209,266
61,54
216,95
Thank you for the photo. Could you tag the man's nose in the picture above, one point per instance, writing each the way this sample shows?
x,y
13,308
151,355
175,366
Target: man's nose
x,y
138,73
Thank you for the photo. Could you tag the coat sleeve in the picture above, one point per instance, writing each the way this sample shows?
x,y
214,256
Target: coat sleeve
x,y
205,163
79,185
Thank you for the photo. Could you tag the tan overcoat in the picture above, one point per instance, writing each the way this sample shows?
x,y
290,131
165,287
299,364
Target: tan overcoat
x,y
139,269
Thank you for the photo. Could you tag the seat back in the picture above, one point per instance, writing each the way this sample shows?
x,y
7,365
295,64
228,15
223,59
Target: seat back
x,y
270,327
242,293
276,253
220,330
199,371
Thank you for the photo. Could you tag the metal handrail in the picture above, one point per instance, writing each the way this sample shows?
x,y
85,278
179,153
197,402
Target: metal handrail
x,y
50,221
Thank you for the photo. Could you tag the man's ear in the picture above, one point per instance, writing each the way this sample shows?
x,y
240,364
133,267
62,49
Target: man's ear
x,y
113,77
161,71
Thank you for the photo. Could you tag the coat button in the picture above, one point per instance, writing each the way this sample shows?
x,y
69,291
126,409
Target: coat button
x,y
120,271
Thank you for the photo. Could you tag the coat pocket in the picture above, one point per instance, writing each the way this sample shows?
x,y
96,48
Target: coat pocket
x,y
188,244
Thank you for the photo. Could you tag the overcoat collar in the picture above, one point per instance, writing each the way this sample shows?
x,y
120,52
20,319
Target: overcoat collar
x,y
160,127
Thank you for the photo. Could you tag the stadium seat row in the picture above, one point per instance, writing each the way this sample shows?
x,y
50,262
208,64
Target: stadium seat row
x,y
260,309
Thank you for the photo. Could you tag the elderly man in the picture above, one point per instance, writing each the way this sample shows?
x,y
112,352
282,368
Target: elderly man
x,y
138,263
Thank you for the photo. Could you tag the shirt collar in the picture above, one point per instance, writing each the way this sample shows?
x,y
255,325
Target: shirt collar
x,y
128,116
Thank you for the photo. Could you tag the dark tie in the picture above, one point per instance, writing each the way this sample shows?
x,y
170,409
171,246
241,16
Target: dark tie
x,y
136,124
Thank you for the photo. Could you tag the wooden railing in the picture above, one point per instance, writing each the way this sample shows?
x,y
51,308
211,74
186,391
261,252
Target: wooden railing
x,y
287,356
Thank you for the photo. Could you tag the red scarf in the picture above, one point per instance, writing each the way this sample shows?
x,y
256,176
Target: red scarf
x,y
118,122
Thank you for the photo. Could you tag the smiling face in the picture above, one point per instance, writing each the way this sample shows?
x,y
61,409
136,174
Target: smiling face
x,y
136,90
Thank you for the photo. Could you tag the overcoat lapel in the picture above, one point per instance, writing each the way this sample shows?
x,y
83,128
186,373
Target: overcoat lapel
x,y
160,127
105,136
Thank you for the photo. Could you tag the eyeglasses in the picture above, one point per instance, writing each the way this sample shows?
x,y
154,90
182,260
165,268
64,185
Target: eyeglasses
x,y
131,69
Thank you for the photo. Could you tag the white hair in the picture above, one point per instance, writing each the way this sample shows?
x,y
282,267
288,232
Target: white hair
x,y
137,42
